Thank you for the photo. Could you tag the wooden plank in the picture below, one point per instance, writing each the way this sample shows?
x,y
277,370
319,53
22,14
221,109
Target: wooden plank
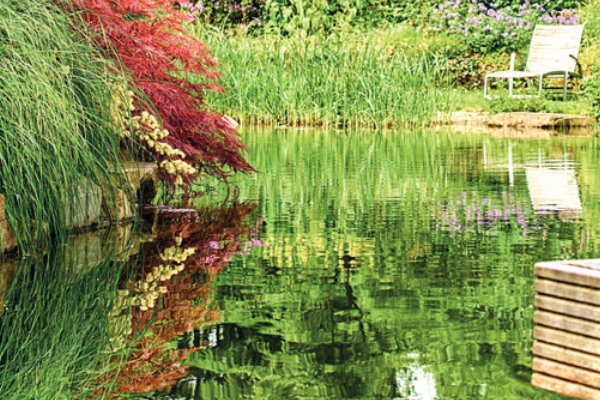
x,y
571,292
572,308
564,387
566,339
567,356
589,264
567,372
564,323
569,273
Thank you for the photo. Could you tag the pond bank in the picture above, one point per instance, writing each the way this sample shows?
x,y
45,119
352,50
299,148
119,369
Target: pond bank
x,y
95,206
519,124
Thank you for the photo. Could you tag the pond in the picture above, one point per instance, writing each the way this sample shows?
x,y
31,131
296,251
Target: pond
x,y
355,265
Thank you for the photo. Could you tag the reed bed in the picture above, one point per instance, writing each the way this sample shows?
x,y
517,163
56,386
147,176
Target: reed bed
x,y
378,79
55,131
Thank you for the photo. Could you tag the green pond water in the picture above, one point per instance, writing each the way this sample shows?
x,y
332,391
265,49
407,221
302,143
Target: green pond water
x,y
352,266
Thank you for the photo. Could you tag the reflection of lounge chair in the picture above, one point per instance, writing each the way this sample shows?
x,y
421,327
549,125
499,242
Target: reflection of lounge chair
x,y
553,53
553,189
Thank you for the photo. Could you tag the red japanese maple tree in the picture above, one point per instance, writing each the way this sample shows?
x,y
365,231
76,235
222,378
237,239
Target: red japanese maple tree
x,y
148,39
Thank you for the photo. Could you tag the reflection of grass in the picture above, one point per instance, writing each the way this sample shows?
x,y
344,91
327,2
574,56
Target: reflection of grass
x,y
54,336
54,120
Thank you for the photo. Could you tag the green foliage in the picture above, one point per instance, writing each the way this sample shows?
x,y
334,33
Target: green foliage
x,y
291,16
593,94
344,79
591,84
55,131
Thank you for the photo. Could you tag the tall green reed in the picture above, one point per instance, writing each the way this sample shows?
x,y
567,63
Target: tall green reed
x,y
377,79
55,132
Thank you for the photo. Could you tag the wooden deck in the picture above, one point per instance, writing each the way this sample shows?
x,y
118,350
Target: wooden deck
x,y
567,330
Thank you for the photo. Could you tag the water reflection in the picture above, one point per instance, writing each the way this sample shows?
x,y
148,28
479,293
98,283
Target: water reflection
x,y
394,267
53,333
170,294
360,266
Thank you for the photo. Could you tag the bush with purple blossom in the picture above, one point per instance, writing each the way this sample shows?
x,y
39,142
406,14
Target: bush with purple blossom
x,y
500,26
246,13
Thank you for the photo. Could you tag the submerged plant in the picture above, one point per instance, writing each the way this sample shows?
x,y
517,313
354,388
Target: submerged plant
x,y
147,38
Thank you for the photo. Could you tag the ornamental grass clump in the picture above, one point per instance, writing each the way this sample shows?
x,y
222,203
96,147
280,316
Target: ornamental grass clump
x,y
56,136
147,39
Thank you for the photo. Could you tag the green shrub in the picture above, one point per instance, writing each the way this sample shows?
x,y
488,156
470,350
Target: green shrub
x,y
290,16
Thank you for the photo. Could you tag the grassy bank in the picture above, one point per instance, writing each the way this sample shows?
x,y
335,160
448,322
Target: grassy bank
x,y
382,76
55,131
375,79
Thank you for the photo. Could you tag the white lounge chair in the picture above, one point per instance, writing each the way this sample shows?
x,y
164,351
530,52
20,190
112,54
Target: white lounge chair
x,y
553,53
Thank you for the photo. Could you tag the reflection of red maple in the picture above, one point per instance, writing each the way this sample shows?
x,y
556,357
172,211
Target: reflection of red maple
x,y
154,362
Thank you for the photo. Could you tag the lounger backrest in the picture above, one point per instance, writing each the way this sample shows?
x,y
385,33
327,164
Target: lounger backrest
x,y
551,46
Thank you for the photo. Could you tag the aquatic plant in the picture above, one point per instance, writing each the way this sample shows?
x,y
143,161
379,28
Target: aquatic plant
x,y
147,39
377,79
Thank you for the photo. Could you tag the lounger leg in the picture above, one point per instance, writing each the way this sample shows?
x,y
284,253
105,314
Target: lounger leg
x,y
565,86
541,85
485,87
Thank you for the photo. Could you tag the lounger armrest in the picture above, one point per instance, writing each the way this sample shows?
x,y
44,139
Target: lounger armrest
x,y
578,70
